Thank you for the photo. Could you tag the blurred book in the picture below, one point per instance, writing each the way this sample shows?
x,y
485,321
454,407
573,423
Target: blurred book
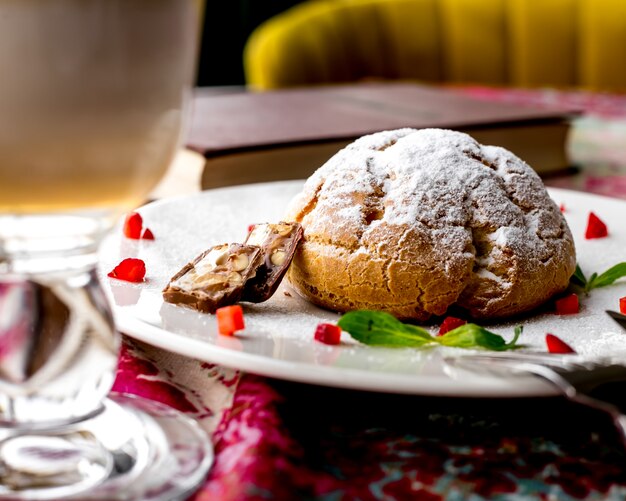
x,y
287,134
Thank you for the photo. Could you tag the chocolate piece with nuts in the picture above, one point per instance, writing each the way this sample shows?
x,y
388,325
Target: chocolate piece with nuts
x,y
278,243
215,278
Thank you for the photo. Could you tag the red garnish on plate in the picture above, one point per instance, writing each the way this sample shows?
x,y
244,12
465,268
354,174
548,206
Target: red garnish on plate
x,y
130,270
328,333
132,225
562,207
557,345
622,305
251,227
147,234
449,324
567,305
229,319
595,227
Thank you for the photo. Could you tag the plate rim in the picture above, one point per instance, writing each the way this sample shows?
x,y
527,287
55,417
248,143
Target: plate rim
x,y
353,379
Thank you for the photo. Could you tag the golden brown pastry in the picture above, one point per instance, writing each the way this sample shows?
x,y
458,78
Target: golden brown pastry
x,y
414,221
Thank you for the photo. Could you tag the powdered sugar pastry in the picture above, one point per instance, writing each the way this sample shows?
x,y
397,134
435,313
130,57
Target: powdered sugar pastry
x,y
415,221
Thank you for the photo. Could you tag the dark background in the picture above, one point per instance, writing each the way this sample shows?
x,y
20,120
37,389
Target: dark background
x,y
227,25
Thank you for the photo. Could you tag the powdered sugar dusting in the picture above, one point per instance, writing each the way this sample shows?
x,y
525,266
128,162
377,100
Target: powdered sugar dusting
x,y
475,205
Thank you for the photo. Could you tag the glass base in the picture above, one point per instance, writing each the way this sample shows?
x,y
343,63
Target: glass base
x,y
133,449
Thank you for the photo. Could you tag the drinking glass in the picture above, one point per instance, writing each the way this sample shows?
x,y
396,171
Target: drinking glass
x,y
92,102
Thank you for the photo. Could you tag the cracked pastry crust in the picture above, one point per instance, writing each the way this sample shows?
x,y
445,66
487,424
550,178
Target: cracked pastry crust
x,y
414,221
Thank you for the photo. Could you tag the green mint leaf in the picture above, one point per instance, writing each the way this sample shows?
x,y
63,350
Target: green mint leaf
x,y
578,278
377,328
608,277
474,336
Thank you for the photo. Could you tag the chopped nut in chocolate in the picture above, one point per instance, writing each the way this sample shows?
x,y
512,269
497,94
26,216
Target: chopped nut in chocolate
x,y
215,278
278,243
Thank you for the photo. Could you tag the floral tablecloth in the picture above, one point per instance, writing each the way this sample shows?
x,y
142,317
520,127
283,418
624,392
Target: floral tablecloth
x,y
279,440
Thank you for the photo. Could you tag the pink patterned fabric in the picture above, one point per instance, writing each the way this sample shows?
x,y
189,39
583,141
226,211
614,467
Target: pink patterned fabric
x,y
203,391
289,441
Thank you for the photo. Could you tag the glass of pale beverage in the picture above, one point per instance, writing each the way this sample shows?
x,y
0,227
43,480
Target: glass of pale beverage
x,y
92,102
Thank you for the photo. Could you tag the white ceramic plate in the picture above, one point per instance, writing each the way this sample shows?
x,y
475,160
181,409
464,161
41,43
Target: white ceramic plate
x,y
278,339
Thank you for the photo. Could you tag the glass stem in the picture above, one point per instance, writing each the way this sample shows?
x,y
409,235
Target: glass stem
x,y
5,262
10,409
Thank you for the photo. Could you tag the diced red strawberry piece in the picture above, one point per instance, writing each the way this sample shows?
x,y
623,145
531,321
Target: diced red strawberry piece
x,y
328,333
622,305
557,345
567,305
132,225
130,270
230,319
595,227
147,234
449,324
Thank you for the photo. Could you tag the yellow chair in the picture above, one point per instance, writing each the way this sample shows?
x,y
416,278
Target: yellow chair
x,y
562,43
